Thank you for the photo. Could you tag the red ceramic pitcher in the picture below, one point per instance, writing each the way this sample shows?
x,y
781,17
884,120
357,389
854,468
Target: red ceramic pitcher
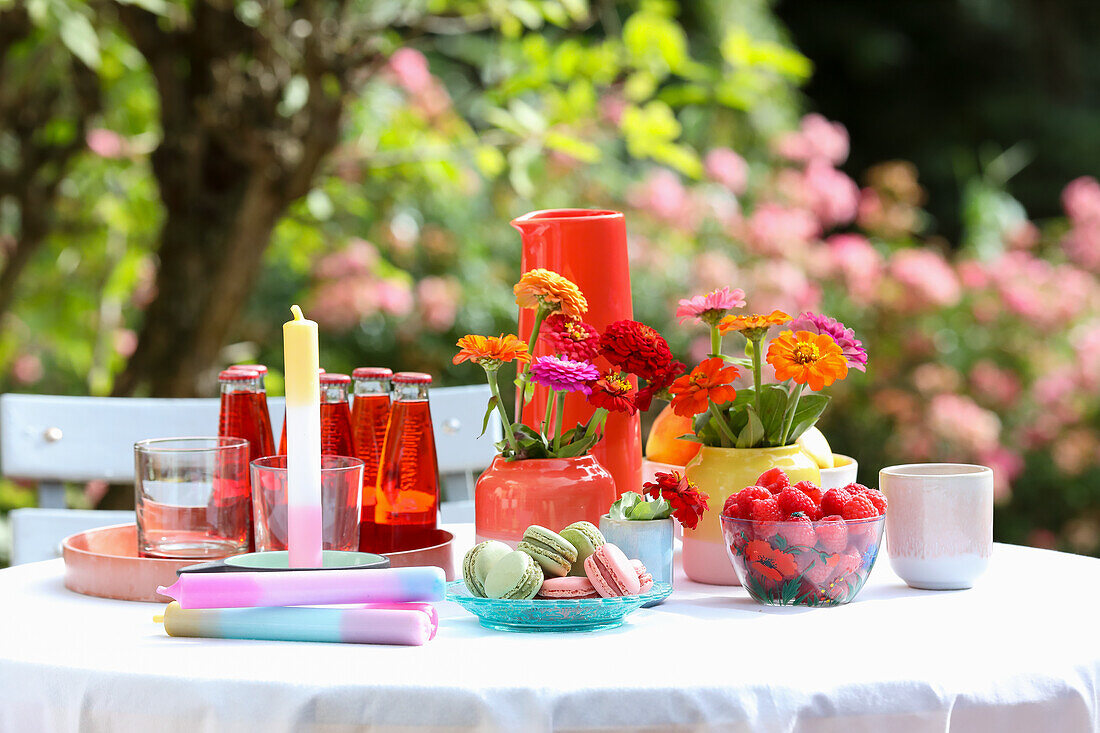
x,y
588,246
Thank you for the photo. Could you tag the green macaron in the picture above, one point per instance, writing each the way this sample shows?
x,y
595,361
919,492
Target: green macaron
x,y
585,537
516,576
549,549
478,561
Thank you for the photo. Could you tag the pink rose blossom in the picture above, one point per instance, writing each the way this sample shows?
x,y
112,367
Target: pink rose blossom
x,y
926,276
395,297
782,284
410,68
859,263
437,298
106,143
359,257
815,138
959,421
663,196
1023,236
1082,244
728,168
832,196
773,228
973,275
1081,199
998,386
1007,465
711,307
125,342
712,269
26,369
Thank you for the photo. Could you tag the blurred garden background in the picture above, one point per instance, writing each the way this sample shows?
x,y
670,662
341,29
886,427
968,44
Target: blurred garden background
x,y
173,174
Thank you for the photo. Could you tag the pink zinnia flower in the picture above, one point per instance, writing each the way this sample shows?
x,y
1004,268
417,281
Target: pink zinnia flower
x,y
854,353
712,307
571,337
728,168
564,375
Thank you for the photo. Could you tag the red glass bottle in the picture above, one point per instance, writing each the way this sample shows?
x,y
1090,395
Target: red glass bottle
x,y
407,500
336,416
370,412
243,406
282,438
265,413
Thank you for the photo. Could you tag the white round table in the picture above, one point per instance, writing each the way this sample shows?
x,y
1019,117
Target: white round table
x,y
1019,652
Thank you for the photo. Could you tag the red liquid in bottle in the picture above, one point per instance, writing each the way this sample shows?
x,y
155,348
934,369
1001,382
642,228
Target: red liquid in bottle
x,y
408,486
243,414
336,430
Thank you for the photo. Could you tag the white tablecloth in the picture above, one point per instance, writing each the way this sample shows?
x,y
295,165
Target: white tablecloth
x,y
1020,652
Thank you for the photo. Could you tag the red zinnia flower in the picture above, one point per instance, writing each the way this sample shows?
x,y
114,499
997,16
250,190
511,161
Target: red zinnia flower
x,y
658,384
571,337
688,502
614,392
636,348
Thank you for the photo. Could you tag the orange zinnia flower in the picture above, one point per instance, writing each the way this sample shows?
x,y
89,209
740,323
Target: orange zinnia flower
x,y
710,381
755,322
491,351
543,287
807,358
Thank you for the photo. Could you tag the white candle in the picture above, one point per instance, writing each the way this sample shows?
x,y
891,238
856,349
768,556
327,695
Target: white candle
x,y
303,441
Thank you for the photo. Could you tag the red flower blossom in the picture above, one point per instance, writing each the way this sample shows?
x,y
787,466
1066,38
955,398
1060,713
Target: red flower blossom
x,y
771,566
688,502
614,392
658,385
635,348
571,337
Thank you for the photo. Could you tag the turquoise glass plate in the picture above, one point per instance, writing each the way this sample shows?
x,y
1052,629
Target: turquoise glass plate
x,y
582,614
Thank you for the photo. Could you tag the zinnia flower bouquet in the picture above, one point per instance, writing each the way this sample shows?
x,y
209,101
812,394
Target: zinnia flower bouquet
x,y
631,348
812,351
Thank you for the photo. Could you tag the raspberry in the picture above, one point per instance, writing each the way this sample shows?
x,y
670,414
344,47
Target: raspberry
x,y
859,507
810,489
730,508
834,500
832,534
822,569
798,531
792,500
766,510
877,499
854,488
774,480
747,496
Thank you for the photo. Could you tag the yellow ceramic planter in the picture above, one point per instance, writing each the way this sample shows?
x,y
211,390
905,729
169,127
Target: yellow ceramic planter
x,y
721,472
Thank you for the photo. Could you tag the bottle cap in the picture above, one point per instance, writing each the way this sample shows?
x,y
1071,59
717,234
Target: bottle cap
x,y
327,378
237,374
372,373
412,378
258,367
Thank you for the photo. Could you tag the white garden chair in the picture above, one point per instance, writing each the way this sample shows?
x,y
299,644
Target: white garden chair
x,y
57,439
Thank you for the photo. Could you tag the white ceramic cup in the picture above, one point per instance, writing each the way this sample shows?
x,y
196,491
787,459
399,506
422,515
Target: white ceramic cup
x,y
939,523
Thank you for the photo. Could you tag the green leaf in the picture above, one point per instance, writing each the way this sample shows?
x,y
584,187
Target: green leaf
x,y
809,410
493,401
583,151
691,437
79,36
753,432
638,508
773,407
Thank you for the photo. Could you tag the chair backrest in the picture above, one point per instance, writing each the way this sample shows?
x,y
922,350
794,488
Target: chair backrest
x,y
58,438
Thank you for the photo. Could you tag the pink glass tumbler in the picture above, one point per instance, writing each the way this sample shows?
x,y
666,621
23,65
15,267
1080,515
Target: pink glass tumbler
x,y
341,502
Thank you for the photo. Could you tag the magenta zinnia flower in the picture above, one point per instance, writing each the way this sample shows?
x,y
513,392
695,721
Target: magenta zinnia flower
x,y
571,337
564,375
712,307
854,353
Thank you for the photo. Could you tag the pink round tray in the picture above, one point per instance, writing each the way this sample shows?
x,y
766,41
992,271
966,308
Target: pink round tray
x,y
104,562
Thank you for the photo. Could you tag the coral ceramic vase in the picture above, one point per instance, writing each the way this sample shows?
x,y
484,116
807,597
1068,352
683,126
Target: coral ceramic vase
x,y
723,471
588,246
554,492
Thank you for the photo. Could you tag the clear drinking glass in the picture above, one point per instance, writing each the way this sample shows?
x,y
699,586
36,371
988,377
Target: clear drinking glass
x,y
341,502
192,497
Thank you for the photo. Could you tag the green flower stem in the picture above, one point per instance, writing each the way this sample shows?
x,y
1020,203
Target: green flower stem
x,y
728,439
549,411
757,343
494,388
715,340
561,417
797,392
540,316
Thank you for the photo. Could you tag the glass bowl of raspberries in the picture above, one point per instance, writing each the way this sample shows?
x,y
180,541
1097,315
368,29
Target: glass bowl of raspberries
x,y
795,545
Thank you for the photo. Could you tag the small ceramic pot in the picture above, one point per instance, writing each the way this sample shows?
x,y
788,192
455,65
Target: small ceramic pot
x,y
842,473
650,541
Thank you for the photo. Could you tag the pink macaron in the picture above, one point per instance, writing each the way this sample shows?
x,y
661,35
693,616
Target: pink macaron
x,y
570,587
611,572
644,578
